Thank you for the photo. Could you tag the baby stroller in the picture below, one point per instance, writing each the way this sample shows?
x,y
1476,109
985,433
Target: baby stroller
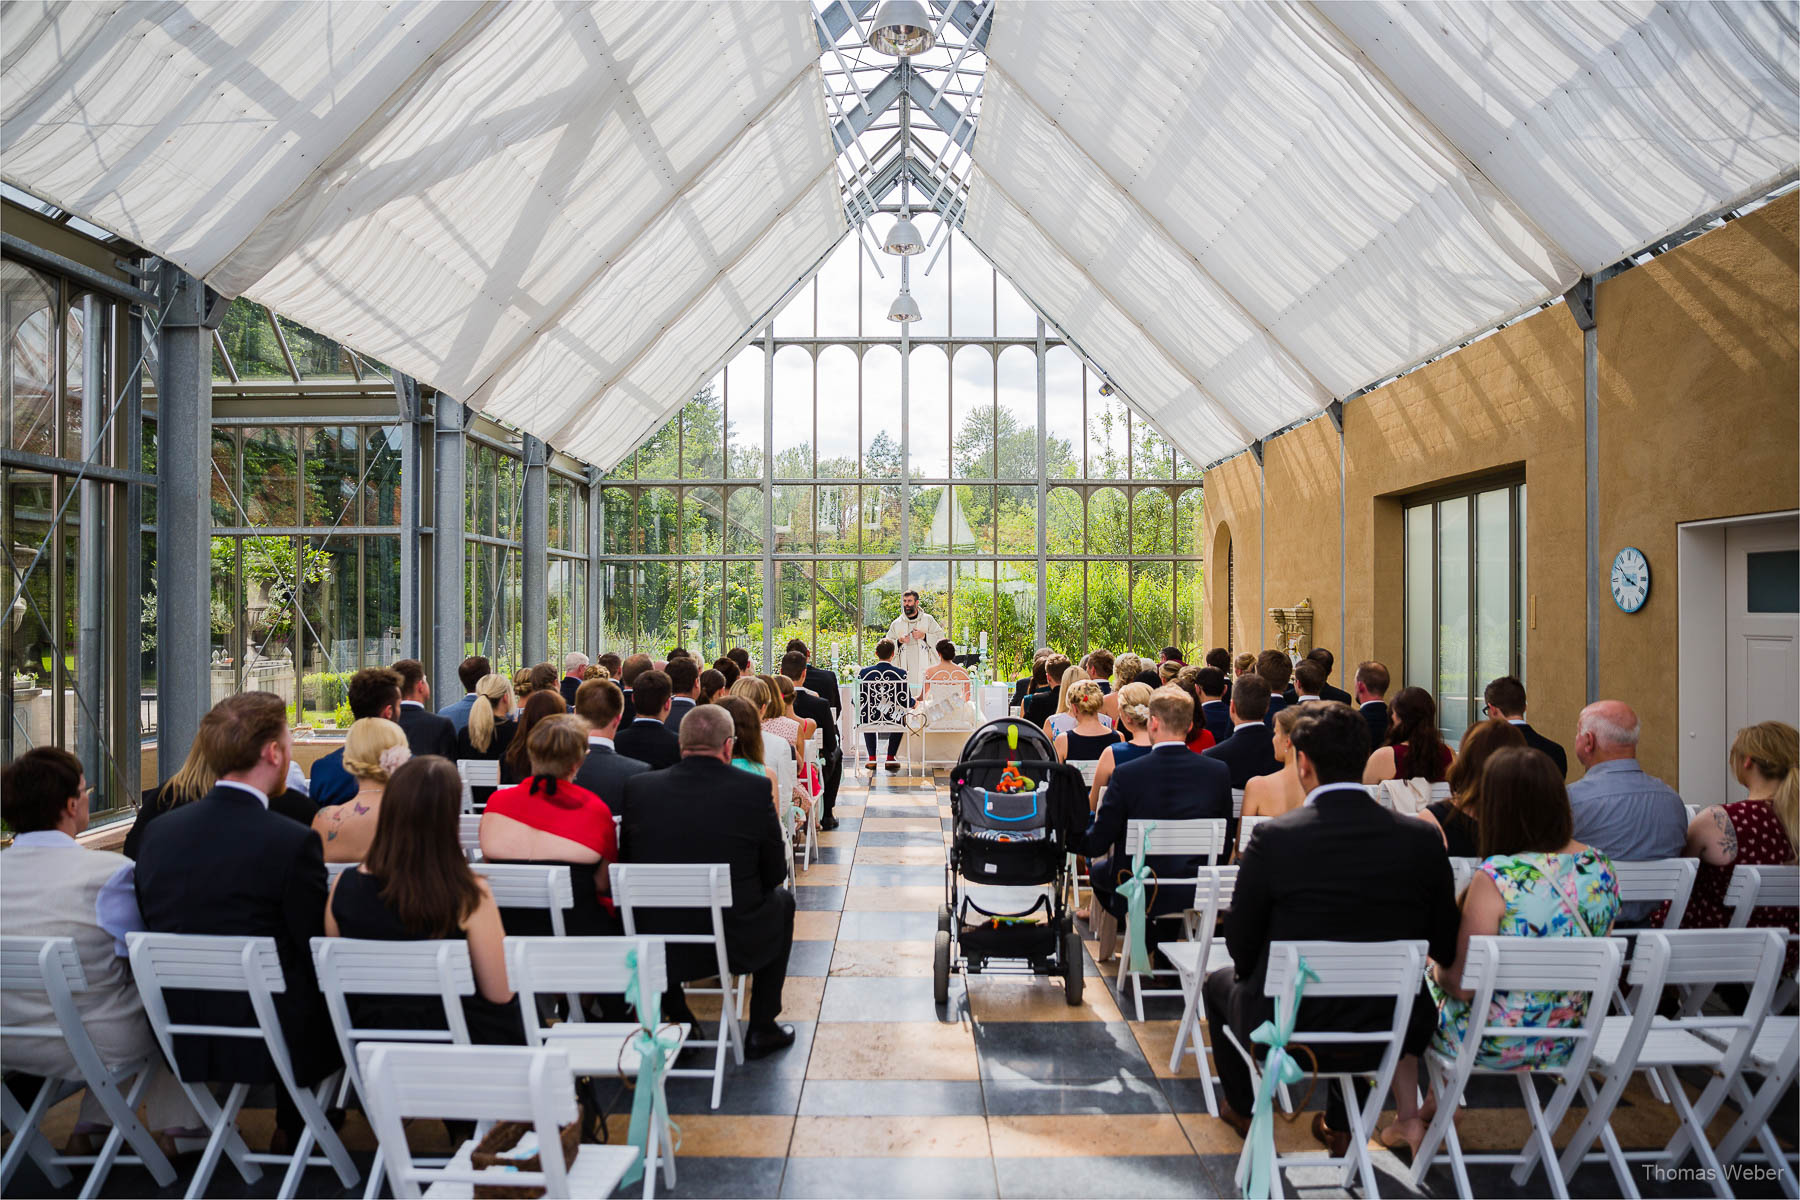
x,y
1015,810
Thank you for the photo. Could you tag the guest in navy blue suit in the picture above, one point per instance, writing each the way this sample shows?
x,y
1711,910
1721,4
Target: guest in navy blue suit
x,y
373,692
1170,783
1215,711
1250,750
1276,670
1371,699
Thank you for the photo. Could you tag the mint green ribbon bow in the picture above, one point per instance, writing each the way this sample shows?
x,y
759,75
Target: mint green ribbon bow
x,y
1278,1068
655,1051
1136,889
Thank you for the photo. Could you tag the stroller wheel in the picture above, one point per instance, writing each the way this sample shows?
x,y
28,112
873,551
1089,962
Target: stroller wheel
x,y
940,968
1072,968
943,918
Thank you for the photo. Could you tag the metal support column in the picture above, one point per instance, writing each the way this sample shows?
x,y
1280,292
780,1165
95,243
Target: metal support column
x,y
130,726
1581,306
412,472
92,544
1041,624
596,593
1261,634
534,550
1336,412
183,515
447,544
769,596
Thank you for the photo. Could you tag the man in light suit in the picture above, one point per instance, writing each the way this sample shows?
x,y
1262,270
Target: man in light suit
x,y
226,865
600,703
470,673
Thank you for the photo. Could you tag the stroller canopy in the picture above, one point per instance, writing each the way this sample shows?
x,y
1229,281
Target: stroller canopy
x,y
991,742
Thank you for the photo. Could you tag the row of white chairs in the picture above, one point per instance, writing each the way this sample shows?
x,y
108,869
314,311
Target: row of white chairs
x,y
249,966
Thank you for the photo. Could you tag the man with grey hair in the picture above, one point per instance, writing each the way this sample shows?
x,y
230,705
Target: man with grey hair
x,y
574,668
704,810
1618,809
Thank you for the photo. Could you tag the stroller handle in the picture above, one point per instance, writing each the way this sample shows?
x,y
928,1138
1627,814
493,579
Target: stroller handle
x,y
1003,763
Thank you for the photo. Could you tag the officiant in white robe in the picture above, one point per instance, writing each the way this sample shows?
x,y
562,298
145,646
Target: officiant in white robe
x,y
916,633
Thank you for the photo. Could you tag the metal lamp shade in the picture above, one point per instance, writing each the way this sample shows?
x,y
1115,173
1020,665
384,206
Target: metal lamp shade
x,y
901,28
903,238
903,309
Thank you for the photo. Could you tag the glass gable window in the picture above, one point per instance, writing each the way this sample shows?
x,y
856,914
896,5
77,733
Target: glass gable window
x,y
921,461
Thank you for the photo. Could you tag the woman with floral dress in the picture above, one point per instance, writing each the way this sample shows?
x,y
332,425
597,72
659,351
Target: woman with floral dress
x,y
1535,880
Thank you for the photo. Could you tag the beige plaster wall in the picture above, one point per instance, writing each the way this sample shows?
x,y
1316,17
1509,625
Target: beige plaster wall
x,y
1698,403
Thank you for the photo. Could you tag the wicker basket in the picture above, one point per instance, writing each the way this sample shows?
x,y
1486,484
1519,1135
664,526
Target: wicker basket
x,y
504,1136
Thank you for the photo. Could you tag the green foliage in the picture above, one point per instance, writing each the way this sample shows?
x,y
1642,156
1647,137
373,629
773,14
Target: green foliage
x,y
325,689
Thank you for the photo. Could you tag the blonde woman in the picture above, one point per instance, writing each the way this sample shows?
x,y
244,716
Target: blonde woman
x,y
193,781
1062,720
595,671
522,683
1134,718
1272,795
1759,829
491,726
778,746
372,753
1125,671
1089,736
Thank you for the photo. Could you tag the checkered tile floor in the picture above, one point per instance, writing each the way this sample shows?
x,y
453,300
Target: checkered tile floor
x,y
1006,1091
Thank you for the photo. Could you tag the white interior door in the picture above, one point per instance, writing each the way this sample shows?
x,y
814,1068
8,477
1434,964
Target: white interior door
x,y
1762,626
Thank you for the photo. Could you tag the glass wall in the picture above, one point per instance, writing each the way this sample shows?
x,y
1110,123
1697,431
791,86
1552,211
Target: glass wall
x,y
1465,579
69,470
927,462
493,566
305,560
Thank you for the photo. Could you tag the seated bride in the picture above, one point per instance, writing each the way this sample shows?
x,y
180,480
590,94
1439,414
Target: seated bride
x,y
948,700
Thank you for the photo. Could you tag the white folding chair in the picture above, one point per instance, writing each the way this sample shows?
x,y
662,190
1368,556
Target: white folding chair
x,y
1775,1056
483,1084
1237,803
477,773
1741,893
333,870
1652,881
1658,1045
1089,767
531,885
594,965
1440,791
704,887
1462,871
1246,827
1578,966
351,967
1204,838
53,966
1359,969
247,966
1193,961
468,834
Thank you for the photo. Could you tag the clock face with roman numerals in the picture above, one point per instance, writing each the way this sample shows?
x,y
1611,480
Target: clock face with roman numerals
x,y
1630,579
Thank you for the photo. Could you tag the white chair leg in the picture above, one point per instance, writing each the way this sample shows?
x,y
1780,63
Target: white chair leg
x,y
122,1108
27,1139
1695,1127
1356,1158
377,1172
224,1139
1546,1148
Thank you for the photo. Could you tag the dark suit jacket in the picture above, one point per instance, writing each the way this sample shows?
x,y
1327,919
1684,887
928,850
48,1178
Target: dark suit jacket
x,y
816,709
329,782
679,707
1163,785
1040,706
604,772
704,811
1277,702
1538,741
1333,693
1021,689
1216,716
426,732
650,742
825,683
1247,753
224,865
1376,714
570,685
1341,869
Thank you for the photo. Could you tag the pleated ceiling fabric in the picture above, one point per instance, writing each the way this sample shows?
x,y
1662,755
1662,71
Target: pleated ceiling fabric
x,y
562,213
1242,211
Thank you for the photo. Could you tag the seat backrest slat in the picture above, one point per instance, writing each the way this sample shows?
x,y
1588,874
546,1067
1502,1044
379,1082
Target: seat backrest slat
x,y
27,962
672,885
1203,836
528,885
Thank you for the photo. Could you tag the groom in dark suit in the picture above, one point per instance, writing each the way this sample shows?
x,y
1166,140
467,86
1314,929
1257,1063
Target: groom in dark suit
x,y
1338,868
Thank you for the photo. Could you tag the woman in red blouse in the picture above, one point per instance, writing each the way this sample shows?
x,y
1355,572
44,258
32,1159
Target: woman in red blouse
x,y
548,819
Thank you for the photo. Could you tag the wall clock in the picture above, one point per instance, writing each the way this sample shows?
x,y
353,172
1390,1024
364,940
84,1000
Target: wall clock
x,y
1630,579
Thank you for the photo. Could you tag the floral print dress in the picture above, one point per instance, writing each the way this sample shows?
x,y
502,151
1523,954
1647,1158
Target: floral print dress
x,y
1541,892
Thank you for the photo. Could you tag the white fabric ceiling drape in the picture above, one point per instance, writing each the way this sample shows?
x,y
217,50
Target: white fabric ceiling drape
x,y
563,213
1241,211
